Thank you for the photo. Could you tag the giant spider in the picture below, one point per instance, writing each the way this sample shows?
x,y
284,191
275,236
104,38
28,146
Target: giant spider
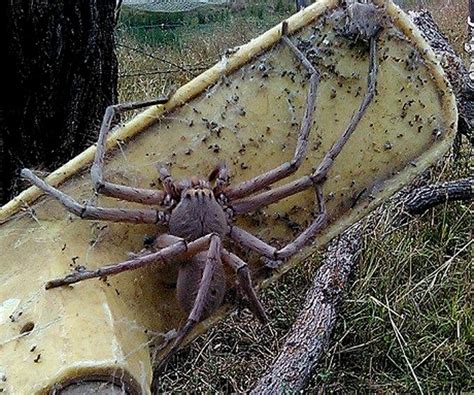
x,y
200,212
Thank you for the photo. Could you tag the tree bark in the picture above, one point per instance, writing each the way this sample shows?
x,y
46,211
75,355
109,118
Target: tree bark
x,y
311,332
454,67
424,198
60,73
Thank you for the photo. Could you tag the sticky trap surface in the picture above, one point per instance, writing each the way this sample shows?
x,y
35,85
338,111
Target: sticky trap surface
x,y
246,110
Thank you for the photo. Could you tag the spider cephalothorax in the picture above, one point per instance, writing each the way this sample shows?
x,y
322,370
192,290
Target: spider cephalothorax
x,y
200,216
197,212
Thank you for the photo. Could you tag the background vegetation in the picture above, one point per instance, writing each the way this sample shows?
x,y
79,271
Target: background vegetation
x,y
407,316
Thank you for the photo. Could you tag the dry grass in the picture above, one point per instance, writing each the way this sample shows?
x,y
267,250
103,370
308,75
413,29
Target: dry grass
x,y
407,319
146,70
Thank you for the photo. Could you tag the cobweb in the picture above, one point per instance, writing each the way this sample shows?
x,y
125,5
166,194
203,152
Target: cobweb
x,y
226,123
171,5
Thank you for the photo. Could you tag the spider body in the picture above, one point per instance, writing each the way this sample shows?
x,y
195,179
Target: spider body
x,y
200,217
187,286
197,213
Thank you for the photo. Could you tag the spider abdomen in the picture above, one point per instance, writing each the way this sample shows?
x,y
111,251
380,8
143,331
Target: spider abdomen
x,y
189,279
197,214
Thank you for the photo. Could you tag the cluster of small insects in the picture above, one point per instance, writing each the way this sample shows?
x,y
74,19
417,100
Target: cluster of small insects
x,y
200,212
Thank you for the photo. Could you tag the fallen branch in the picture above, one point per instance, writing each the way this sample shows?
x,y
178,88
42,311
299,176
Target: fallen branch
x,y
310,335
424,198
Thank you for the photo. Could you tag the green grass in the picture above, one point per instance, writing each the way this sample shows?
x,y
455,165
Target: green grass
x,y
407,317
414,280
148,28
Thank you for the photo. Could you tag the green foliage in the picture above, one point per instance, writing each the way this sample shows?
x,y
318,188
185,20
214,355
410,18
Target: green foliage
x,y
154,28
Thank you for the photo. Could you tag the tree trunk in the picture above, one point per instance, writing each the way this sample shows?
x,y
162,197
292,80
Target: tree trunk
x,y
60,73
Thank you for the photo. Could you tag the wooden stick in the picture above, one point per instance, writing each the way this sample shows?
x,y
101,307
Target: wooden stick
x,y
424,198
311,332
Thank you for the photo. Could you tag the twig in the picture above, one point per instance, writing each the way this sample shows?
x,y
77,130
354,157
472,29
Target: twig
x,y
422,199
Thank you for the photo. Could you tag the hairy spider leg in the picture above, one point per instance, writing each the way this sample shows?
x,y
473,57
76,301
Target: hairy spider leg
x,y
245,280
244,238
169,185
316,179
240,268
179,250
221,176
139,195
213,259
262,181
136,216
